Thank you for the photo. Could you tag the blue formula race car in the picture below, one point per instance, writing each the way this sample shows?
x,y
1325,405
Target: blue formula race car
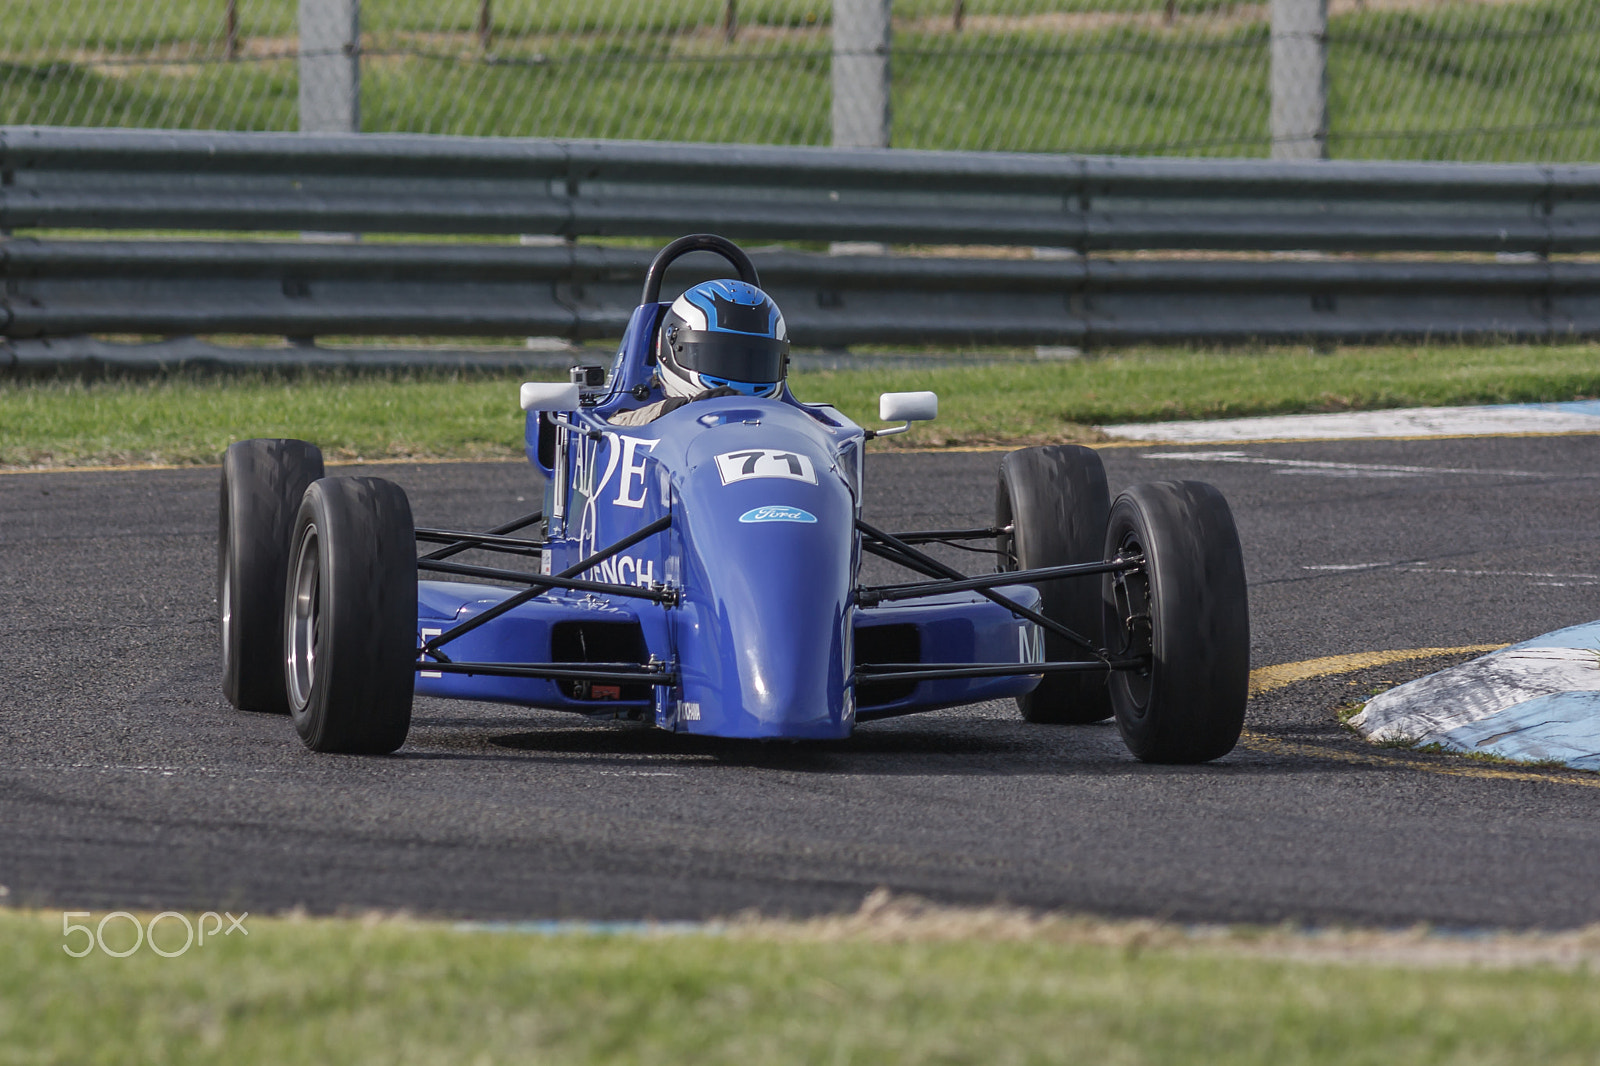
x,y
697,562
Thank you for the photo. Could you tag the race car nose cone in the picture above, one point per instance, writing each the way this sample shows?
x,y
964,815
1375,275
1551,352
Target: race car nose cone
x,y
763,636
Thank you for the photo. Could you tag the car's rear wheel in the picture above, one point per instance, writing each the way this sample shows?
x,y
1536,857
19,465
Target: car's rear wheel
x,y
1055,501
1185,612
262,483
350,616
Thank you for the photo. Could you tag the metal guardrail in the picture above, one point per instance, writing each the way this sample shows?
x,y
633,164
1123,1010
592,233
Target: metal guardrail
x,y
123,179
586,292
130,180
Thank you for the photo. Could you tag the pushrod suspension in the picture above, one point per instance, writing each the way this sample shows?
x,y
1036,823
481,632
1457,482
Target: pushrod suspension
x,y
518,599
926,536
883,551
938,569
457,547
873,594
477,540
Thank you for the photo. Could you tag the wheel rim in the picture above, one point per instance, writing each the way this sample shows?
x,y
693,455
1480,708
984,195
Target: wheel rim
x,y
225,594
1005,542
305,621
1130,591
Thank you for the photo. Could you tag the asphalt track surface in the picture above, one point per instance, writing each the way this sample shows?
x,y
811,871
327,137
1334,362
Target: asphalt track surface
x,y
126,781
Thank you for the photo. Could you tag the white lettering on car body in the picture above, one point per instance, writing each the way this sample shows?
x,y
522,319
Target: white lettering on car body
x,y
627,570
428,634
633,469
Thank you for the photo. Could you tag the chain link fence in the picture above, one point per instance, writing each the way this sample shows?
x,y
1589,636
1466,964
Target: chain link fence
x,y
1407,79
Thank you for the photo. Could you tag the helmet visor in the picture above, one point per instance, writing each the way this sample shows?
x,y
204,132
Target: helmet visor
x,y
734,356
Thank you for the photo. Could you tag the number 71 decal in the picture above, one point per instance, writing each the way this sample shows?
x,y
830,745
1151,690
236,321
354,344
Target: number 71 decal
x,y
765,462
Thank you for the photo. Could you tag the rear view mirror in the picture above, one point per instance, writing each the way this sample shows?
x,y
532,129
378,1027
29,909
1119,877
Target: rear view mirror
x,y
549,396
907,407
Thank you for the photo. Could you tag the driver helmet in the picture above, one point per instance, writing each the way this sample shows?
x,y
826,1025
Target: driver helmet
x,y
722,334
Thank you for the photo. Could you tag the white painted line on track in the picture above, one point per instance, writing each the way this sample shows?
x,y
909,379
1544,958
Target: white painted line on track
x,y
1350,566
1331,469
1551,579
1520,419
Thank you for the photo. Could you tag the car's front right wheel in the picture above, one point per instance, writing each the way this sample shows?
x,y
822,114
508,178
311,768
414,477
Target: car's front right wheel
x,y
350,616
1184,614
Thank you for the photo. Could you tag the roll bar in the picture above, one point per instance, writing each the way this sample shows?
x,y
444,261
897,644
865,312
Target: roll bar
x,y
696,242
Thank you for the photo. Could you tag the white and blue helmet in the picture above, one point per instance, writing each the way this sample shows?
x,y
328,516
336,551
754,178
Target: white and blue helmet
x,y
722,334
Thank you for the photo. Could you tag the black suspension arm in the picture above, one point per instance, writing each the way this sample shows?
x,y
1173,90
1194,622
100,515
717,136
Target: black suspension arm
x,y
485,541
545,580
457,547
955,671
926,536
518,599
606,673
874,594
990,594
883,551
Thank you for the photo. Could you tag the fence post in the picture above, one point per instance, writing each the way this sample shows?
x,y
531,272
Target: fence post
x,y
861,35
330,66
1299,79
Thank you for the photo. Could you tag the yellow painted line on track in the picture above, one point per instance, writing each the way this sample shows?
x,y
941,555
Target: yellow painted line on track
x,y
1268,678
1265,745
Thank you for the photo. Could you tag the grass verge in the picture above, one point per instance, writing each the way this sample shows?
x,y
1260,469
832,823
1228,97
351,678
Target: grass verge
x,y
949,990
191,420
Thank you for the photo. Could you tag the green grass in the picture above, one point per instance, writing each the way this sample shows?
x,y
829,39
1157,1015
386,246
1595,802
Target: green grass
x,y
353,992
1035,402
39,24
1436,748
191,420
1433,81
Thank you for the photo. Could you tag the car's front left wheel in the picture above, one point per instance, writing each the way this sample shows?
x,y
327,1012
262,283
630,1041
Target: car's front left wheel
x,y
262,484
350,616
1051,505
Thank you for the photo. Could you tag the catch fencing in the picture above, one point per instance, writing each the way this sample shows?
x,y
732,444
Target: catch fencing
x,y
992,249
1458,80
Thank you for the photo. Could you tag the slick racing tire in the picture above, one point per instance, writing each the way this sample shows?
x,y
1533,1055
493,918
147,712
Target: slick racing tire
x,y
1056,502
262,483
1185,611
350,616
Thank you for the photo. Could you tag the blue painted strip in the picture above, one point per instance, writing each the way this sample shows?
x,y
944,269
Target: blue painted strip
x,y
1585,637
1564,726
1570,407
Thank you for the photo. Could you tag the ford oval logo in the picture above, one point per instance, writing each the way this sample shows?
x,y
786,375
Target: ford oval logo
x,y
777,513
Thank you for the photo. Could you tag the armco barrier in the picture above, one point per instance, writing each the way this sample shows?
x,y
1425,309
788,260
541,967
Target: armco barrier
x,y
1080,208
